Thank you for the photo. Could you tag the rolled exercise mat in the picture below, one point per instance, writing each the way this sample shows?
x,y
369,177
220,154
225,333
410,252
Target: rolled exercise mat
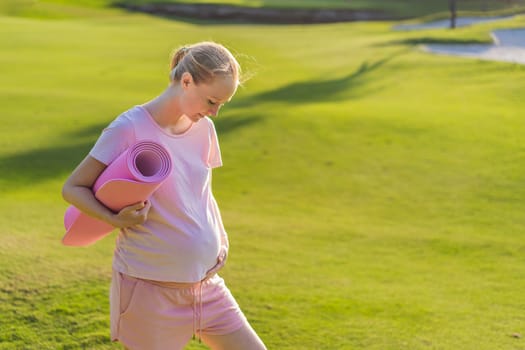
x,y
129,179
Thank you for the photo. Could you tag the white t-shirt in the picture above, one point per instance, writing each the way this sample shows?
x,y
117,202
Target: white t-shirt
x,y
184,235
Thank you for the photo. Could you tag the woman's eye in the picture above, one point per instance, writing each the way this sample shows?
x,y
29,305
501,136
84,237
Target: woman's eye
x,y
211,102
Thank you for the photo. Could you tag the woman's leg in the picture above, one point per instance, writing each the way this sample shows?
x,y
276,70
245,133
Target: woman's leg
x,y
242,339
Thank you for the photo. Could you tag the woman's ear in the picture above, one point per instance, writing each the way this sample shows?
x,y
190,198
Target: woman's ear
x,y
186,80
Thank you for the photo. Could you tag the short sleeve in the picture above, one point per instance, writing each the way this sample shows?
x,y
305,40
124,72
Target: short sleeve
x,y
214,154
113,140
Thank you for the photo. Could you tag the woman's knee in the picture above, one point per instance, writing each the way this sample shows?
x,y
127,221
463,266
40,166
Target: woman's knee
x,y
243,339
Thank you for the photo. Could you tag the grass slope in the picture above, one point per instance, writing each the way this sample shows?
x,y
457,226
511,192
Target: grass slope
x,y
373,193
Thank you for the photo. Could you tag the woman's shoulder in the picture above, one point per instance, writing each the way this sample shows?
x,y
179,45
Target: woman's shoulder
x,y
130,115
127,119
115,138
208,123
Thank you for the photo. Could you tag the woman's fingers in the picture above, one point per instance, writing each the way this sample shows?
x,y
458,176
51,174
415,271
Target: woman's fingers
x,y
134,214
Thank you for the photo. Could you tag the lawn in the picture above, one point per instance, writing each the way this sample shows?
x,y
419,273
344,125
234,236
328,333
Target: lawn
x,y
373,193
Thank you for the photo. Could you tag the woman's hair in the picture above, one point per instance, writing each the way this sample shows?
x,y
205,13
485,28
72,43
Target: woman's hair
x,y
204,61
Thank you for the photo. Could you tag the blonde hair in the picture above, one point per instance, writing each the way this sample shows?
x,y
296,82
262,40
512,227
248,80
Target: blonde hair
x,y
204,61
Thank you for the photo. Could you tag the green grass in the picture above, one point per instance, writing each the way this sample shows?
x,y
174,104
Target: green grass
x,y
373,193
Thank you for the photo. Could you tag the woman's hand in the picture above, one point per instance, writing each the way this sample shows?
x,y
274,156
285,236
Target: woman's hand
x,y
132,215
77,191
221,261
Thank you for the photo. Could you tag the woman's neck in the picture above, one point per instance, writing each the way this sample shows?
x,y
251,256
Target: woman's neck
x,y
166,112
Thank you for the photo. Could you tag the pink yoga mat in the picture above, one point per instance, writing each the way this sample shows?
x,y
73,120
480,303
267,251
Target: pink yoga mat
x,y
130,179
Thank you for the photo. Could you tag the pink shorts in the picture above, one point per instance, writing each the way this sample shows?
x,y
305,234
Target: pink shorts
x,y
162,315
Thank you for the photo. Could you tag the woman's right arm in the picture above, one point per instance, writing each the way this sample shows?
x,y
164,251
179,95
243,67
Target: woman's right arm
x,y
77,190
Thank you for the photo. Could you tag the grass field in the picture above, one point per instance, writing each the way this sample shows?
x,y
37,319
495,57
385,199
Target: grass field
x,y
373,193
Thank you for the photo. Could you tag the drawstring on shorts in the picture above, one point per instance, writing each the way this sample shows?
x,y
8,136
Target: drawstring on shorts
x,y
196,292
197,314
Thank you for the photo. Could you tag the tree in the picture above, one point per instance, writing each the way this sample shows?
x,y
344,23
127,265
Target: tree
x,y
452,7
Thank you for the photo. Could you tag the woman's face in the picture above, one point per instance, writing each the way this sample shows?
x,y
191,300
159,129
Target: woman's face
x,y
205,99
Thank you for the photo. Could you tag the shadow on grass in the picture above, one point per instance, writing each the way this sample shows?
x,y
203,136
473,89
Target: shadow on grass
x,y
123,5
216,14
229,124
431,40
33,166
322,90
